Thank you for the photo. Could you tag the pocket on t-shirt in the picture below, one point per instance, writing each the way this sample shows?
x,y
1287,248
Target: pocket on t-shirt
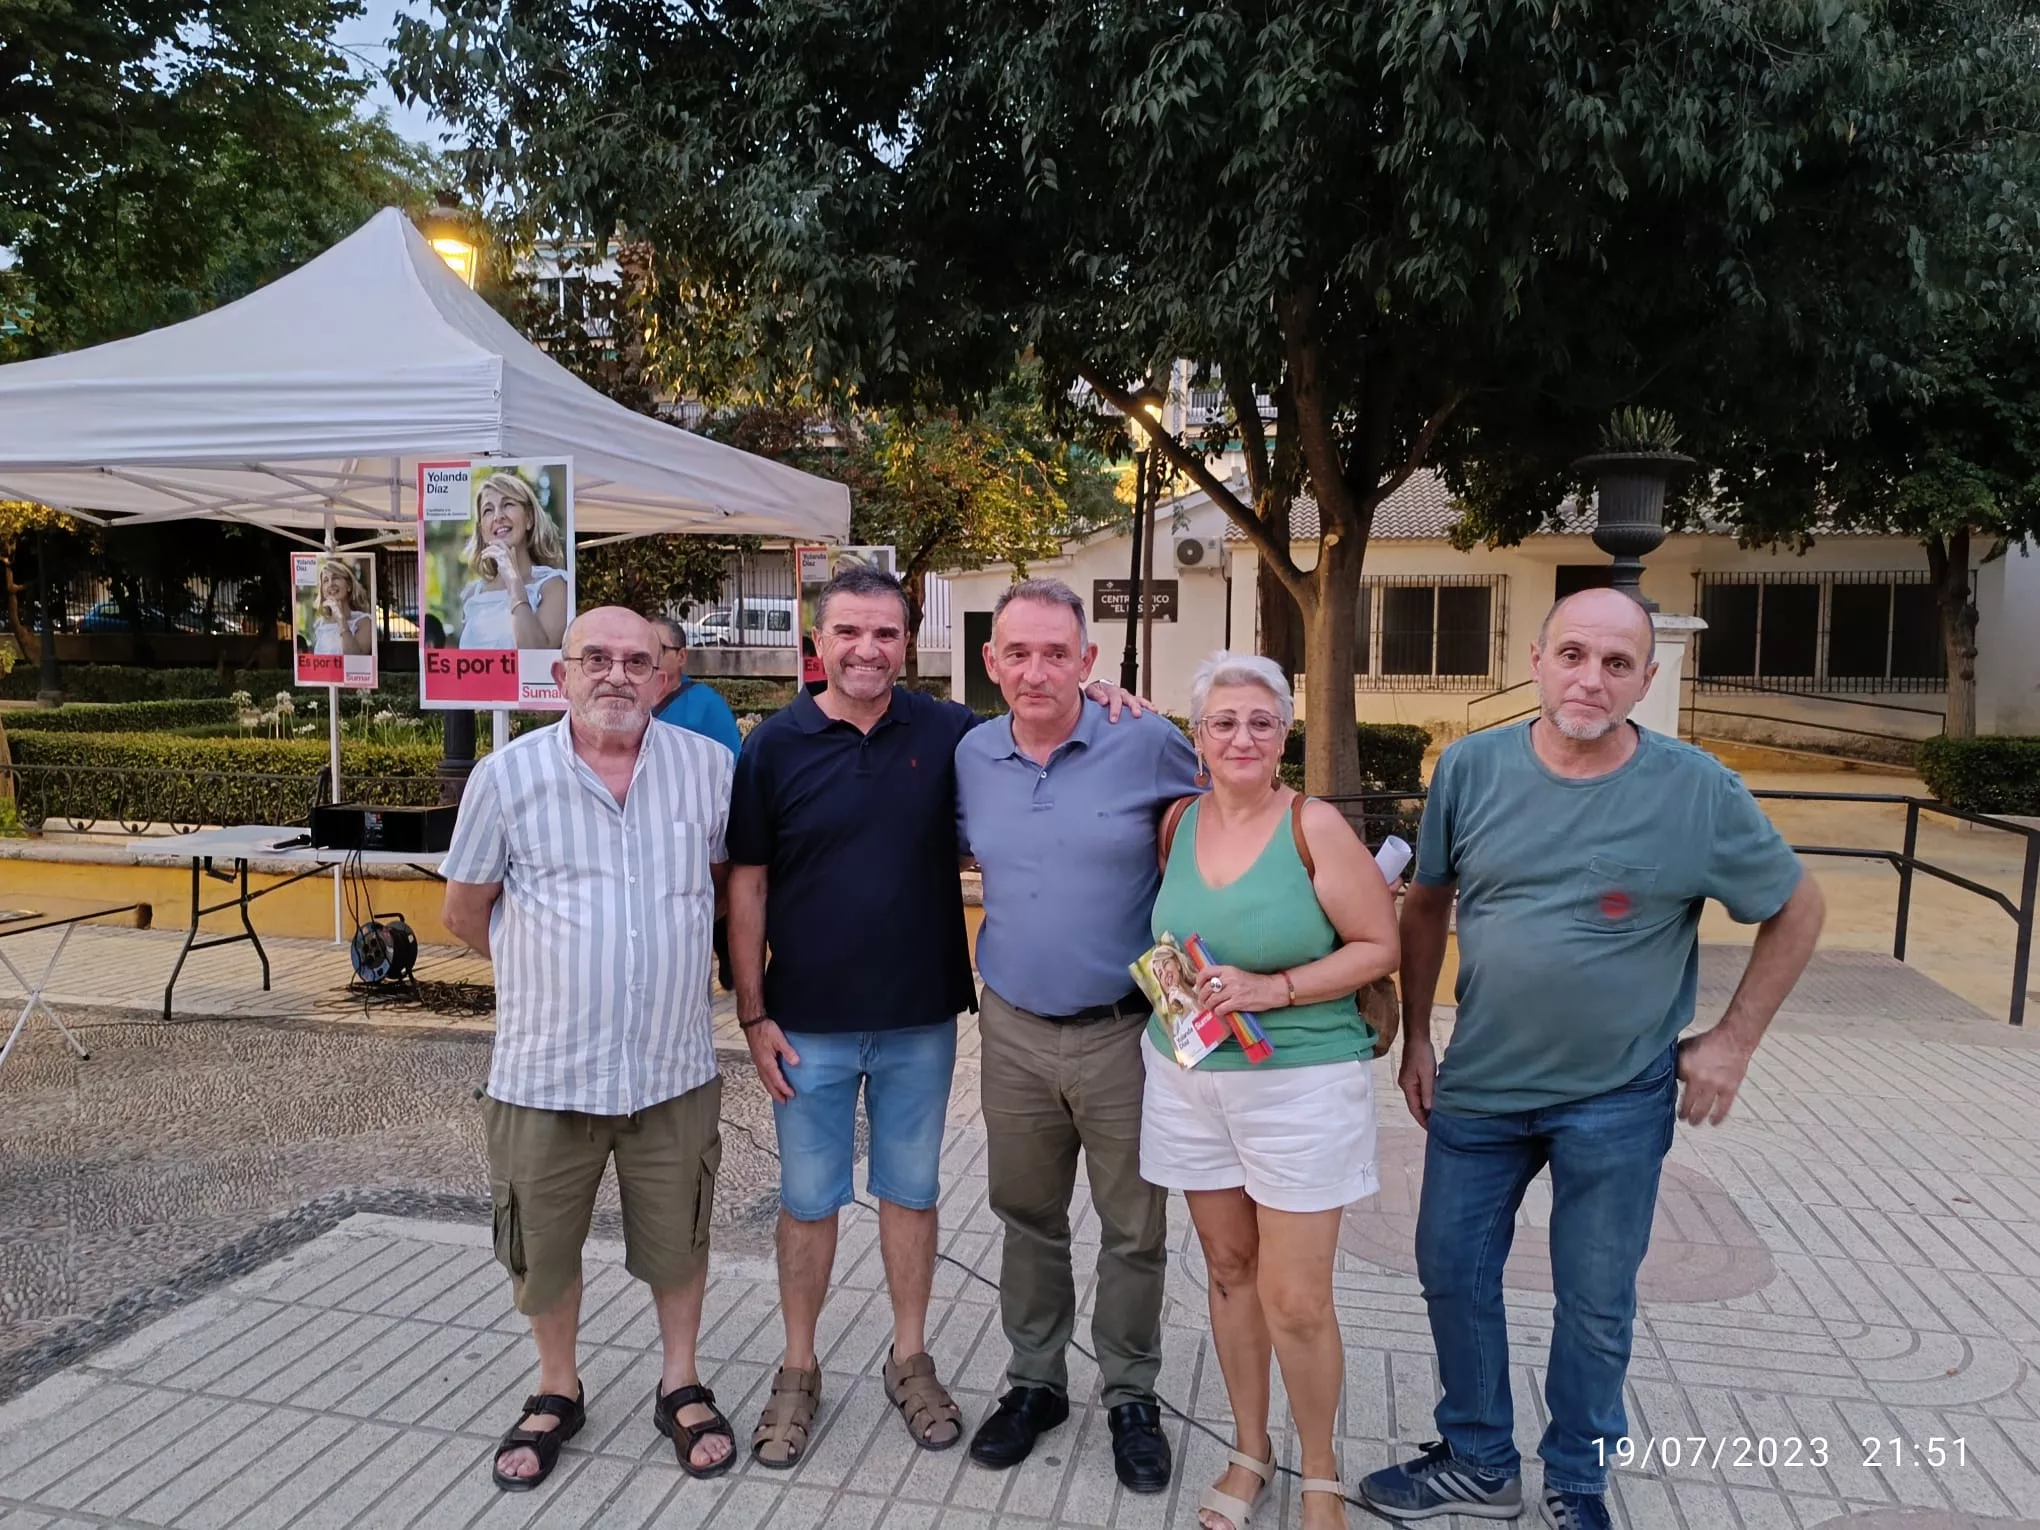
x,y
1613,895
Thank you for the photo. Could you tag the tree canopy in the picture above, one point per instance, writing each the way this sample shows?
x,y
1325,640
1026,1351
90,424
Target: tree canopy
x,y
1438,235
158,158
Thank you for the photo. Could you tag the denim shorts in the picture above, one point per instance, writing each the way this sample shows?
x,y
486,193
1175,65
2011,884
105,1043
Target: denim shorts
x,y
906,1075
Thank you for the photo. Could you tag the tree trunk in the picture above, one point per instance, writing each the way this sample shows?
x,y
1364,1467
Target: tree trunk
x,y
27,642
1331,762
1948,558
1281,621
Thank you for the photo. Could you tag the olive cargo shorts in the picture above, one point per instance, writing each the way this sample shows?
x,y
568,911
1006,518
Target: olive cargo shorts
x,y
546,1165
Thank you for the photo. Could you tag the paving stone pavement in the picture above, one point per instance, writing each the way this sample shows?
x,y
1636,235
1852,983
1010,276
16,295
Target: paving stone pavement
x,y
1849,1336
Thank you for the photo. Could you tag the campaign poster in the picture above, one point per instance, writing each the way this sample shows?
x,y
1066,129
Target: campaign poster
x,y
333,618
495,582
813,568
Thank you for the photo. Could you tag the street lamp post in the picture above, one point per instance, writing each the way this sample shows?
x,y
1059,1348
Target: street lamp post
x,y
446,230
1146,487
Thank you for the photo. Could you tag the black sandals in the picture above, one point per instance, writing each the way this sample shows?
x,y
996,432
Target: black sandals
x,y
542,1443
666,1414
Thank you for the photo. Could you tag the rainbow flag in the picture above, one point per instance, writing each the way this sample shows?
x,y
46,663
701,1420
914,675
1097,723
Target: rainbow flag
x,y
1245,1028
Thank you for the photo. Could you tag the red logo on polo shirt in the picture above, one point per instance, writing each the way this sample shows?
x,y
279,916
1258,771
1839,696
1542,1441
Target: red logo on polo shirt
x,y
1615,905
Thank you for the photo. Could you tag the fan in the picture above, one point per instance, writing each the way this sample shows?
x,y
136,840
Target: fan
x,y
384,952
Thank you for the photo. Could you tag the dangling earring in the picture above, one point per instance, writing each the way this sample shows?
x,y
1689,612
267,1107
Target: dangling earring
x,y
1203,777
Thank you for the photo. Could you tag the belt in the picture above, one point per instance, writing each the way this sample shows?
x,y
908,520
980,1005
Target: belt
x,y
1130,1004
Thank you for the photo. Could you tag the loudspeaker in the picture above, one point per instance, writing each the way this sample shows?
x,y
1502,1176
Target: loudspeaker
x,y
357,826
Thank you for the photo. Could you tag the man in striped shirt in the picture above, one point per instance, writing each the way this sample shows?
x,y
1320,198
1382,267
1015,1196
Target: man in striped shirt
x,y
587,864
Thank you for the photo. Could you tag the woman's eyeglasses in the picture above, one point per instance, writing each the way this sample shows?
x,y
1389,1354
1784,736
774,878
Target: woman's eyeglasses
x,y
596,663
1261,726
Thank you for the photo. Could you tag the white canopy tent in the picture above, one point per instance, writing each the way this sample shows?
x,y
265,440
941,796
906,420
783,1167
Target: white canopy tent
x,y
318,395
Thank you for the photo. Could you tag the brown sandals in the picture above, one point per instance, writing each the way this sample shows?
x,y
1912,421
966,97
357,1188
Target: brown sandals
x,y
781,1438
933,1419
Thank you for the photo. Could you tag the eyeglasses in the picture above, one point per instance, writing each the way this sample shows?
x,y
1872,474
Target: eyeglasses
x,y
1261,726
596,664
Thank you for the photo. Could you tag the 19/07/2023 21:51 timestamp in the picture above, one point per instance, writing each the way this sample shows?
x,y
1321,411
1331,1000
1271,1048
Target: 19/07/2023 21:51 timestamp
x,y
1782,1452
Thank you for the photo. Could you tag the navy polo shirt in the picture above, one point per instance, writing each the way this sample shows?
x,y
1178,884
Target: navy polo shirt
x,y
857,832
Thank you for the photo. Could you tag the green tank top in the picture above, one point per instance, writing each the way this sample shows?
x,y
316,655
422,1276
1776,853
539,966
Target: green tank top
x,y
1267,921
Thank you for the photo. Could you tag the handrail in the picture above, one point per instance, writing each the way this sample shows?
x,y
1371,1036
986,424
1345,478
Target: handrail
x,y
1490,696
1906,862
1747,688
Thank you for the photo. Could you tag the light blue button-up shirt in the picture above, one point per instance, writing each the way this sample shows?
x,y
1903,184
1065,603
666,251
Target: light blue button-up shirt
x,y
1068,851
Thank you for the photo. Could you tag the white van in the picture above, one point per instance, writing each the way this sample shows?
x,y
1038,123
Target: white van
x,y
757,621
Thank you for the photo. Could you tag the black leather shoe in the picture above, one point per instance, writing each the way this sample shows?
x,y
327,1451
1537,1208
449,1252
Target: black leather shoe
x,y
1023,1416
1140,1451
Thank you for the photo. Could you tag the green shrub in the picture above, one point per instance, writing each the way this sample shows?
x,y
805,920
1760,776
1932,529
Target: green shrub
x,y
124,716
747,694
132,682
2000,774
151,778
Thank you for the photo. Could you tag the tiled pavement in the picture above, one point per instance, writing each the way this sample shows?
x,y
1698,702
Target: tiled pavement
x,y
1854,1257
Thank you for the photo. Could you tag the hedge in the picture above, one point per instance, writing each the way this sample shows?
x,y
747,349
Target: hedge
x,y
1391,755
1999,774
154,778
745,694
122,716
131,682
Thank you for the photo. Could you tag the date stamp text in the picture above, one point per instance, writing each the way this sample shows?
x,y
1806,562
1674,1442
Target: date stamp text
x,y
1674,1452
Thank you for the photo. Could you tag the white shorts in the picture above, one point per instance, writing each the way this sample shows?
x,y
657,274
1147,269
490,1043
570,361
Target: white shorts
x,y
1296,1139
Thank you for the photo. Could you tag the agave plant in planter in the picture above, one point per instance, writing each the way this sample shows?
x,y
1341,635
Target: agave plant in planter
x,y
1638,460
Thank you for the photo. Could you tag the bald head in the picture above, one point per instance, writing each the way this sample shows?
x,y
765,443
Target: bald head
x,y
1592,662
597,656
1599,604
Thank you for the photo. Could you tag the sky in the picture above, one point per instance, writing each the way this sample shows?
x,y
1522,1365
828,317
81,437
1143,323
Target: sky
x,y
366,40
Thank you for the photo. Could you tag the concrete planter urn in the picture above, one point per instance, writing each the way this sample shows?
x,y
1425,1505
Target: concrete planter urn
x,y
1629,491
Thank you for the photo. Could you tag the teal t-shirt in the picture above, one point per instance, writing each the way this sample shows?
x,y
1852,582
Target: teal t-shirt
x,y
1579,909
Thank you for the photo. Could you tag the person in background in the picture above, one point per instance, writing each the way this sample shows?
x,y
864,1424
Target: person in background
x,y
689,704
1297,920
585,865
1060,811
1582,849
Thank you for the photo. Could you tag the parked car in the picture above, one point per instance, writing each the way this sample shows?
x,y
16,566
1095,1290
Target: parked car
x,y
758,621
109,616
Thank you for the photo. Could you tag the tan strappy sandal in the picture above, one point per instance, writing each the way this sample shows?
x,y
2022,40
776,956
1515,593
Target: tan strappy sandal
x,y
1238,1511
781,1438
933,1419
1330,1485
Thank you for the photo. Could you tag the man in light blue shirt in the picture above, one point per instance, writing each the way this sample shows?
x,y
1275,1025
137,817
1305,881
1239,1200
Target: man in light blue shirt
x,y
689,704
1060,811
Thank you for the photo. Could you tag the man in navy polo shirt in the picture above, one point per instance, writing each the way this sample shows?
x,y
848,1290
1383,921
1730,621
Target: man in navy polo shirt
x,y
1061,813
844,856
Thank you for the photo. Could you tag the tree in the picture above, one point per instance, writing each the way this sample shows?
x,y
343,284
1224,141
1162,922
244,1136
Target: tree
x,y
1941,440
1427,230
167,157
21,521
945,491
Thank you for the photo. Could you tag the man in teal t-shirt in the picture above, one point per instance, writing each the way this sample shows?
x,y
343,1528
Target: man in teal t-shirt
x,y
1582,849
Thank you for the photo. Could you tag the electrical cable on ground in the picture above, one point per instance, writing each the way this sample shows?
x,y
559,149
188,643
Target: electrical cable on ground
x,y
1198,1424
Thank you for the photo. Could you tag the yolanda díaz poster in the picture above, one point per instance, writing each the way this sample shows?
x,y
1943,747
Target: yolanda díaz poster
x,y
495,581
333,618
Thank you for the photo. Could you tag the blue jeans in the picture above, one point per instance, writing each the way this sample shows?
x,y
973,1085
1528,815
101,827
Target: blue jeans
x,y
905,1075
1605,1153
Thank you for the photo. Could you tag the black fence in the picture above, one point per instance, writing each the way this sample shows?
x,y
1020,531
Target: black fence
x,y
1375,815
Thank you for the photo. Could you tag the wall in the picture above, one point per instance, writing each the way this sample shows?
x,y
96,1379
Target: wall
x,y
1179,646
1531,570
2008,643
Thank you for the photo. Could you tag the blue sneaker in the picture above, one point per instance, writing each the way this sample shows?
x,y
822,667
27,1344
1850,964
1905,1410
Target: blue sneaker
x,y
1575,1511
1437,1483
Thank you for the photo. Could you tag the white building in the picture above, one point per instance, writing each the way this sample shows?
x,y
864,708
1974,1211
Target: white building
x,y
1839,645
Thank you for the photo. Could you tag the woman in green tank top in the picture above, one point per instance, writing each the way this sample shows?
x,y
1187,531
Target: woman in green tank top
x,y
1296,917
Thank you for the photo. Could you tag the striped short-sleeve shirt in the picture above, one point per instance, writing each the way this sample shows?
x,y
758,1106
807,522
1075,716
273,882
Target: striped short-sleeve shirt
x,y
602,937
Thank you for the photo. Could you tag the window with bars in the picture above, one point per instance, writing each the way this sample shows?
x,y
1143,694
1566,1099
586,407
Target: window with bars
x,y
1425,634
1844,631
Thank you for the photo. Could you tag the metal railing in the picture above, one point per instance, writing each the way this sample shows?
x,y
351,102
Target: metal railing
x,y
1376,814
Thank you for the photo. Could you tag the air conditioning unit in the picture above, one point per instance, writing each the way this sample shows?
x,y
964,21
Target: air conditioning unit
x,y
1199,552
